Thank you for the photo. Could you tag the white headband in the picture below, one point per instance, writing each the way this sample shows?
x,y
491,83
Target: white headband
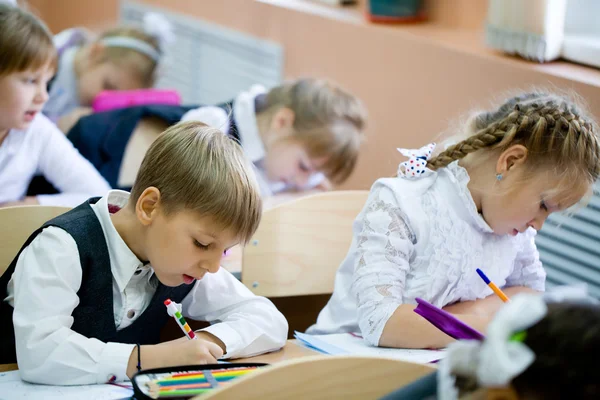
x,y
156,26
498,359
133,44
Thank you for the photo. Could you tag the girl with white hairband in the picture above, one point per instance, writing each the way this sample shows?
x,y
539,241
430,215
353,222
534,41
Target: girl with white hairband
x,y
123,58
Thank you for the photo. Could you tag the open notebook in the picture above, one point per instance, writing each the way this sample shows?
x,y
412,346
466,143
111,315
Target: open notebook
x,y
349,343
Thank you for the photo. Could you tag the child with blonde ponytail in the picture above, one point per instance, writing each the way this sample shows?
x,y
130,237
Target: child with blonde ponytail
x,y
478,204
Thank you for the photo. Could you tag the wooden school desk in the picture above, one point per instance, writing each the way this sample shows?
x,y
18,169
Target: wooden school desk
x,y
233,261
290,351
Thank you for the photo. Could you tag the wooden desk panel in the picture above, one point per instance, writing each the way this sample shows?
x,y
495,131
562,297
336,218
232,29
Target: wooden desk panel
x,y
8,367
291,351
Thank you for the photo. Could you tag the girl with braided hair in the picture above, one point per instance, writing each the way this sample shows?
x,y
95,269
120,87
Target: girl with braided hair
x,y
477,204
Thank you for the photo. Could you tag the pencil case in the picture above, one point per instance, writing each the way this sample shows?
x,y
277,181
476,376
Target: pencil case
x,y
113,99
184,382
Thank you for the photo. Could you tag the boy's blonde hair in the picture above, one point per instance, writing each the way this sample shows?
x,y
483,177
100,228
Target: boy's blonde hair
x,y
553,128
198,168
144,66
329,122
25,42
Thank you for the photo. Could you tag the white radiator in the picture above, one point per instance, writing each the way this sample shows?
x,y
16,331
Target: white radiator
x,y
569,246
207,63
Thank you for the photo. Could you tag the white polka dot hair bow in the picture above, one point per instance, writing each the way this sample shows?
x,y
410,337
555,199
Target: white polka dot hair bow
x,y
417,161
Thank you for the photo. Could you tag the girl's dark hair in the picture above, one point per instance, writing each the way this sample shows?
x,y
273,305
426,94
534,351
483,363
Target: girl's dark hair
x,y
566,344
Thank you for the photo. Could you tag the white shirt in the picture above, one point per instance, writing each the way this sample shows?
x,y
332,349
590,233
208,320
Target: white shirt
x,y
423,238
63,95
43,149
252,144
43,292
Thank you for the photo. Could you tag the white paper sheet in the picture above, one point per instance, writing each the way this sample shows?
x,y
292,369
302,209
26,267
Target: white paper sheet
x,y
346,343
13,388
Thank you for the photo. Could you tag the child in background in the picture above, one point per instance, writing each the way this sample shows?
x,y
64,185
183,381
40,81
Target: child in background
x,y
478,204
299,135
98,275
29,143
119,59
533,350
296,134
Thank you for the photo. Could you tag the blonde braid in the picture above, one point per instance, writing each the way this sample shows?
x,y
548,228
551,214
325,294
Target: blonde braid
x,y
551,128
490,136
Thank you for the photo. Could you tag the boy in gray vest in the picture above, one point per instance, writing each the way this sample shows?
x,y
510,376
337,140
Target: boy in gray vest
x,y
84,298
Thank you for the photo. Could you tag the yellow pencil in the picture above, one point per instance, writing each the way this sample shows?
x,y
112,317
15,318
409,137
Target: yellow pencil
x,y
493,286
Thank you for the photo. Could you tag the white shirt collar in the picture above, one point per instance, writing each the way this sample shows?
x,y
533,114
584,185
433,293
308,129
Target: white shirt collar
x,y
125,261
460,180
64,96
245,117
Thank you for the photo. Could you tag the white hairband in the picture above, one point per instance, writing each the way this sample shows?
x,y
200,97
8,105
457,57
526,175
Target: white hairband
x,y
133,44
156,26
498,359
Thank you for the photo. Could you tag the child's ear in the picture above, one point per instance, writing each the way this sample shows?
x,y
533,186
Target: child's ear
x,y
283,120
511,158
147,204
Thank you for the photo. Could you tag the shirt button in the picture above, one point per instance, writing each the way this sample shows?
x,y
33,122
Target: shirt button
x,y
130,314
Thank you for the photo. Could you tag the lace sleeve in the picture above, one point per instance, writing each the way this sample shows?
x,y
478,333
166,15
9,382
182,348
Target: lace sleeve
x,y
384,244
528,269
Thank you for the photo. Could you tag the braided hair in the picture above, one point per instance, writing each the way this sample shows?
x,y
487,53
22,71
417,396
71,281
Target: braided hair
x,y
551,127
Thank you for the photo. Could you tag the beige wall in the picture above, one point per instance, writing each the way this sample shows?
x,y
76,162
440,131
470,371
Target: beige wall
x,y
62,14
412,86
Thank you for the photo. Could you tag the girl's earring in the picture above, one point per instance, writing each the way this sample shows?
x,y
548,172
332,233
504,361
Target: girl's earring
x,y
498,177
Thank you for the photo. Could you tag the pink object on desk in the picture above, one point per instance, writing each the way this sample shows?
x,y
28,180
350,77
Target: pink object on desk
x,y
112,99
446,322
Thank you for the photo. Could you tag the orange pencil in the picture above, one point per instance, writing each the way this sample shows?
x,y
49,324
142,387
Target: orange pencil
x,y
493,286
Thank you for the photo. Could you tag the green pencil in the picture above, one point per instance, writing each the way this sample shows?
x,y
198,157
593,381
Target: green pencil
x,y
182,393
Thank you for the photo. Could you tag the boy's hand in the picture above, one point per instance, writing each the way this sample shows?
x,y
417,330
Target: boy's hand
x,y
198,351
176,352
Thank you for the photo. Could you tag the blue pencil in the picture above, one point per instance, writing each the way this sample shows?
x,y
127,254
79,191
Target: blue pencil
x,y
493,286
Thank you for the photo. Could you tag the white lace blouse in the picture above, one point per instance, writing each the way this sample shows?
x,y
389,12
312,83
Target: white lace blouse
x,y
423,238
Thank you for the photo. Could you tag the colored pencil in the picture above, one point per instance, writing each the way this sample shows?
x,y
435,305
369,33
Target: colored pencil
x,y
176,382
178,393
493,286
191,383
213,371
205,385
216,375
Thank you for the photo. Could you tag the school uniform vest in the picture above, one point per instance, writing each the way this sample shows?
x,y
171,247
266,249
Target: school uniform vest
x,y
94,316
